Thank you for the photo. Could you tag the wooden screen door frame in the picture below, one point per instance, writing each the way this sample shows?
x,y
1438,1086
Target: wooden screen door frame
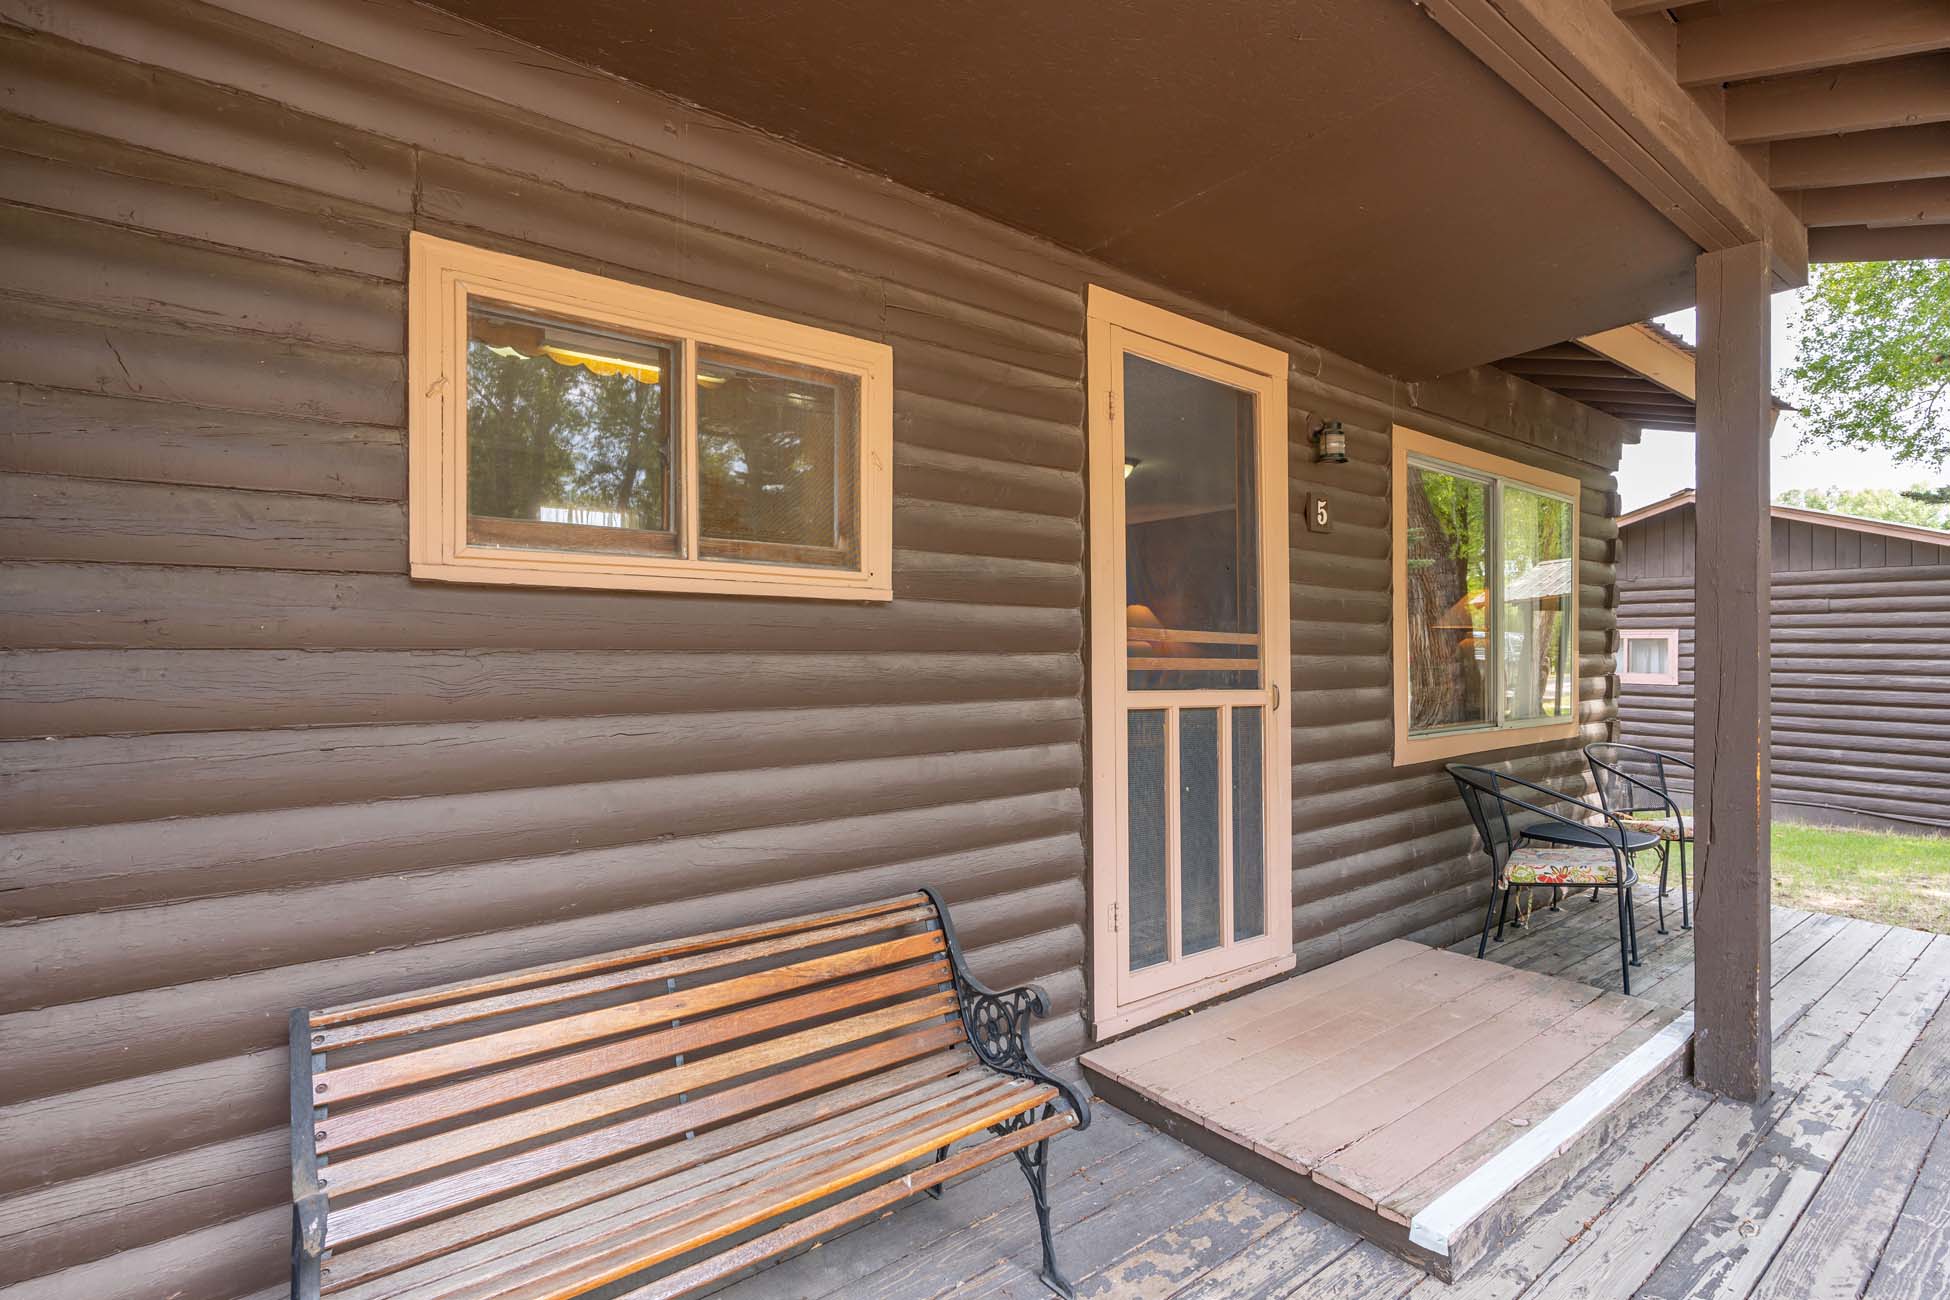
x,y
1122,999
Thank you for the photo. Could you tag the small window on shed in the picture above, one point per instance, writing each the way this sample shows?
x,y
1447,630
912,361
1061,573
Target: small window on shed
x,y
1648,657
574,431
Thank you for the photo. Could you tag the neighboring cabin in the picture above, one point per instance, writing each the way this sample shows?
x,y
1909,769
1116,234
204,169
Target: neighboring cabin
x,y
1861,616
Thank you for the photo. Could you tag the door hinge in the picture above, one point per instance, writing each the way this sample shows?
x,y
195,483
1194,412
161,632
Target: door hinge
x,y
1110,403
1113,918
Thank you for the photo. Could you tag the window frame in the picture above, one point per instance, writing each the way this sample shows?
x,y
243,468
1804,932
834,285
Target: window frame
x,y
1413,447
1669,635
445,274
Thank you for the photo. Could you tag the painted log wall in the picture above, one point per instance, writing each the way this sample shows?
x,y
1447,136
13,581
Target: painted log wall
x,y
251,766
1861,699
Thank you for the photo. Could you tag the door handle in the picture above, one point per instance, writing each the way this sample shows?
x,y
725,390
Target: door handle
x,y
1276,697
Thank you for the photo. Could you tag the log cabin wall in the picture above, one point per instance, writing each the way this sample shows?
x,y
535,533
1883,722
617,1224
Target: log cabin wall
x,y
251,766
1861,714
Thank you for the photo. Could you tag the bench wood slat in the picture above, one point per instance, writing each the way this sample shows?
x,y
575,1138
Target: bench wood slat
x,y
505,1219
554,1131
575,1266
397,1209
335,1087
348,1012
815,1226
389,1164
696,1192
482,1008
354,1127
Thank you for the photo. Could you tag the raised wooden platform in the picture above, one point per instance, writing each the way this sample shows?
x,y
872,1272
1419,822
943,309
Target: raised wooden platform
x,y
1425,1099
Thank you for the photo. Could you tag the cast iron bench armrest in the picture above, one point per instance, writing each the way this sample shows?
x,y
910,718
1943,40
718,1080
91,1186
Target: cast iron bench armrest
x,y
998,1022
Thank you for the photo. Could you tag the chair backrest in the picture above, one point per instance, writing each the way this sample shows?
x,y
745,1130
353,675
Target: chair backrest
x,y
1631,778
1505,806
1481,795
474,1091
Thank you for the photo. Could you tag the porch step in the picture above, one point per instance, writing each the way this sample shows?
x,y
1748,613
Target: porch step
x,y
1426,1100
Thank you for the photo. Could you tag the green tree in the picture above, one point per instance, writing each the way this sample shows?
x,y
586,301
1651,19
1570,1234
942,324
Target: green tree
x,y
1872,358
1911,507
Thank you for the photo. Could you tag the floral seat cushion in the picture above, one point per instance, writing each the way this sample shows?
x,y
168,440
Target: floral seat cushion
x,y
1556,864
1666,827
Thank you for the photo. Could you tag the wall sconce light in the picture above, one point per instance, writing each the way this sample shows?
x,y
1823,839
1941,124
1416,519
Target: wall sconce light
x,y
1131,463
1330,442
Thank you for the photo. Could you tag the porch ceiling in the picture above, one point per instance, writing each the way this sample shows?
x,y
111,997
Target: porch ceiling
x,y
1342,171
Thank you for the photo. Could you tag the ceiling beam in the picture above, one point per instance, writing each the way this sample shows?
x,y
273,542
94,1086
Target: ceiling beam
x,y
1901,153
1900,203
1626,386
1550,372
1658,400
1878,243
1639,8
1635,414
1646,352
1556,352
1867,97
1800,35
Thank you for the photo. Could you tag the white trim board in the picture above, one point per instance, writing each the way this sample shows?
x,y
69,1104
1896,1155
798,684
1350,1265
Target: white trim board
x,y
1438,1222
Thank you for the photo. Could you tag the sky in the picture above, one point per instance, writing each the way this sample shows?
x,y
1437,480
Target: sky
x,y
1662,463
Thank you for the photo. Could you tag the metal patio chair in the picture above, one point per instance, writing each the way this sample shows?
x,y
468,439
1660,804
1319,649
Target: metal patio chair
x,y
1531,847
1633,783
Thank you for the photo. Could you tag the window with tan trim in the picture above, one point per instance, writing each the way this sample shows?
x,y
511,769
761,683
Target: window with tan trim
x,y
1485,597
1648,657
569,430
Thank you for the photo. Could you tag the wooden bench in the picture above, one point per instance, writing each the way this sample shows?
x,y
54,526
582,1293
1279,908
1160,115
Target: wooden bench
x,y
674,1110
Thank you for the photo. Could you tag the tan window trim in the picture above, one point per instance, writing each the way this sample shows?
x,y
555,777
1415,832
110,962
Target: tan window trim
x,y
445,275
1428,747
1669,635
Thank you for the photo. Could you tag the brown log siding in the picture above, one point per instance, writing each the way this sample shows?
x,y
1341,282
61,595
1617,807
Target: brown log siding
x,y
1861,716
251,766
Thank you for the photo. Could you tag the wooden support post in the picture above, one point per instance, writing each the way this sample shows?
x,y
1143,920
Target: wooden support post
x,y
1732,1052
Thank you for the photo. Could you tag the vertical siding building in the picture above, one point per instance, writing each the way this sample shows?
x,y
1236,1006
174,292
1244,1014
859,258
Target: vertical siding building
x,y
1861,621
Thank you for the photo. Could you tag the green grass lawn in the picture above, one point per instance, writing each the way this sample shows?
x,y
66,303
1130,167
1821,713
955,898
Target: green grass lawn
x,y
1896,879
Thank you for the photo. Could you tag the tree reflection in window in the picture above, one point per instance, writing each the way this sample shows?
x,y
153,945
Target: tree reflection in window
x,y
566,426
775,474
1448,566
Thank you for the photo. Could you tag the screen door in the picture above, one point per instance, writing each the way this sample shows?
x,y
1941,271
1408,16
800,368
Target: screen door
x,y
1189,664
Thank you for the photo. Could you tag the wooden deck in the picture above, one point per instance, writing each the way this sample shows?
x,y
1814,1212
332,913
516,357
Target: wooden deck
x,y
1420,1097
1838,1185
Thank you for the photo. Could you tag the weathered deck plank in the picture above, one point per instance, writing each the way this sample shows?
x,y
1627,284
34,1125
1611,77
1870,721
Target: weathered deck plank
x,y
1832,1252
1922,1081
1917,1257
1161,1264
1279,1263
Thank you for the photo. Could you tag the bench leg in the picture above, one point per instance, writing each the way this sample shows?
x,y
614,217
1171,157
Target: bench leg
x,y
935,1191
1035,1167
